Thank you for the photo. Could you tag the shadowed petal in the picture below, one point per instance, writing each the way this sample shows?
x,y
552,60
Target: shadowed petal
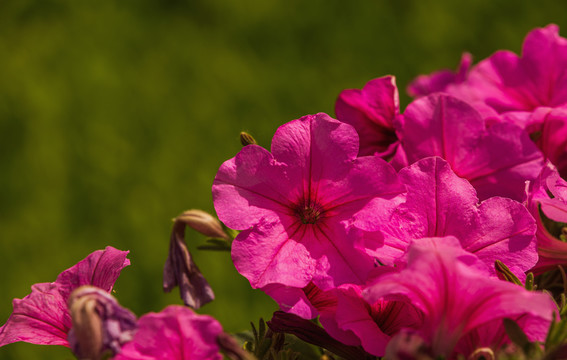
x,y
552,251
371,111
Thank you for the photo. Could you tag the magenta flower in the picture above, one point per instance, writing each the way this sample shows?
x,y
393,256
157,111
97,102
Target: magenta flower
x,y
506,82
174,333
300,207
439,203
439,81
42,317
355,322
496,160
372,111
548,193
463,307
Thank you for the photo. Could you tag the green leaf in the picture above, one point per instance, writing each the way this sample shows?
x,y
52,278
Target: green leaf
x,y
506,273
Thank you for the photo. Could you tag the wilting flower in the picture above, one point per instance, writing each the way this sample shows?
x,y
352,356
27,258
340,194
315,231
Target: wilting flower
x,y
372,111
175,333
100,325
547,201
300,206
439,81
496,160
463,307
439,203
180,269
42,317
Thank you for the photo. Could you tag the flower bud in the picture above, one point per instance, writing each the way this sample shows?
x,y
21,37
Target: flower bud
x,y
202,222
100,325
246,139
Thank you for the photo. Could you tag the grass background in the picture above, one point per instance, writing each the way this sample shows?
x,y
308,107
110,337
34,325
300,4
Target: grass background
x,y
115,116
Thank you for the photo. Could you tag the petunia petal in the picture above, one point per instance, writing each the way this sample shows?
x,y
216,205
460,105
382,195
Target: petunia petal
x,y
40,318
176,333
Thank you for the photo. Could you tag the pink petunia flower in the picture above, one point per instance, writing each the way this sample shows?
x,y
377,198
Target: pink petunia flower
x,y
42,317
440,80
548,194
529,91
301,206
463,307
506,82
355,322
176,333
372,111
496,160
439,203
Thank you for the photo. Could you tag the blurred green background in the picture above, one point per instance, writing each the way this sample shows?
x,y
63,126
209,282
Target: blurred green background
x,y
115,116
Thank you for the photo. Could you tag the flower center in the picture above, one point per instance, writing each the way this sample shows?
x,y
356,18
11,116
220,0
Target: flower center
x,y
309,213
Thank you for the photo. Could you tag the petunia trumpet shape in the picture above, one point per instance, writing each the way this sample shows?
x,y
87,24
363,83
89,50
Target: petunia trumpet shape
x,y
355,322
547,201
301,206
496,160
463,307
42,317
372,111
176,333
439,203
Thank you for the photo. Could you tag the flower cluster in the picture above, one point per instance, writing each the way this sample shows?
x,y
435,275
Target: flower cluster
x,y
390,224
423,234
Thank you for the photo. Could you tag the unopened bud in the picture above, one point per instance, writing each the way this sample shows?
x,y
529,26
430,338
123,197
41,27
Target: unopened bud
x,y
202,222
246,139
100,325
